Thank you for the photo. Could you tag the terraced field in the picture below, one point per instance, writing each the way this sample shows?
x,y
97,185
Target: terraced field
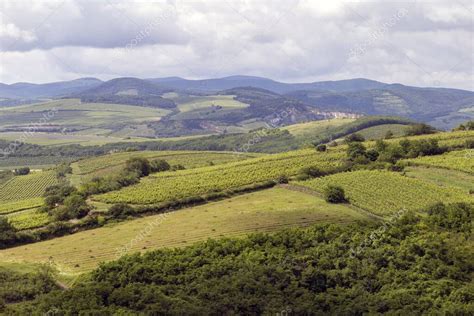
x,y
383,192
462,160
15,206
261,211
189,159
28,219
167,186
443,177
26,187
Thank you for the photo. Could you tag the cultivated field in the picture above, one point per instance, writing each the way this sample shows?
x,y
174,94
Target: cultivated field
x,y
26,187
199,102
379,132
383,192
168,186
267,210
443,177
461,160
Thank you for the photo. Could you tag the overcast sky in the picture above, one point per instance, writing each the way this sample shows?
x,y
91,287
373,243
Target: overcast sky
x,y
422,43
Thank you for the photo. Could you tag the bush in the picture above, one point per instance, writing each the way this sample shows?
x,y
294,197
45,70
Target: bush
x,y
120,211
372,154
22,171
334,194
282,179
389,135
321,148
354,138
138,164
354,150
312,172
419,129
159,165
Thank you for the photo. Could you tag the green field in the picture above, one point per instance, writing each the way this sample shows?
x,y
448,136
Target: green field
x,y
108,164
315,127
168,186
52,139
26,187
379,132
267,210
28,219
10,207
383,192
443,177
460,160
72,114
192,103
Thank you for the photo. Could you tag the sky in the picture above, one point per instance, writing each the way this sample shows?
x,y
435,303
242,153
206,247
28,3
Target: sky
x,y
420,43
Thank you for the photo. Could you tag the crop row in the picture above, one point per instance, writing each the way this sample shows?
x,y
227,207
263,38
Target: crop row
x,y
383,192
189,159
25,187
461,160
28,219
178,185
11,207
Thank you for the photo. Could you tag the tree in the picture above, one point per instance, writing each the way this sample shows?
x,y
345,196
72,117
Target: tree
x,y
120,211
312,172
354,138
7,232
389,134
321,148
138,164
419,129
334,194
355,149
22,171
159,165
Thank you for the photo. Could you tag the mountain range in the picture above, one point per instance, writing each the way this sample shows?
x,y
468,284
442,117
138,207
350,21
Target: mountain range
x,y
441,107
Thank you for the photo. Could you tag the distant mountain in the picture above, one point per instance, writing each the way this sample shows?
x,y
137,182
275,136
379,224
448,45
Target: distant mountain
x,y
214,85
23,90
132,91
424,104
441,107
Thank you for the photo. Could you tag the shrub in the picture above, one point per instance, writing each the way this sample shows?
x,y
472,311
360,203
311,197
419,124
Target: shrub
x,y
389,135
282,179
354,138
334,194
372,154
419,129
312,172
355,149
22,171
159,165
321,148
138,164
120,211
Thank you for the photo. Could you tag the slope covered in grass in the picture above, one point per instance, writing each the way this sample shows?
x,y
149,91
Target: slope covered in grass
x,y
267,210
383,192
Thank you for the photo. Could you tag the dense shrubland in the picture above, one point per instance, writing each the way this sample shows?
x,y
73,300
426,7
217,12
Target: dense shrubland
x,y
413,266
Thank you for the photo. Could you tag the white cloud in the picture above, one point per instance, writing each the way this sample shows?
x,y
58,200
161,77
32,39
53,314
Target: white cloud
x,y
289,40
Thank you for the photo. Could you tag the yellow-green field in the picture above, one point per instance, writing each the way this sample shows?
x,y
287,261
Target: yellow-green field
x,y
261,211
384,192
315,127
443,177
71,113
200,102
379,132
108,164
52,139
461,160
198,182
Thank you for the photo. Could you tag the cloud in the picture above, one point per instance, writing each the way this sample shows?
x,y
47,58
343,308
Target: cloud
x,y
289,40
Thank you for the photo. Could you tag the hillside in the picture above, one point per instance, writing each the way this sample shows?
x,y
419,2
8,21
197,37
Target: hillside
x,y
266,98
